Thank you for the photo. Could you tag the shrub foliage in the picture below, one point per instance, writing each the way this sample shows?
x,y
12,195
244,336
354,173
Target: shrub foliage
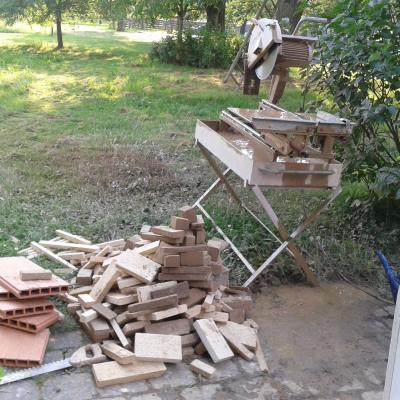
x,y
203,49
359,54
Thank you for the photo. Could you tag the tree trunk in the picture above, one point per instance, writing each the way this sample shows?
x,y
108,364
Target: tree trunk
x,y
180,21
243,28
60,43
216,17
121,25
288,9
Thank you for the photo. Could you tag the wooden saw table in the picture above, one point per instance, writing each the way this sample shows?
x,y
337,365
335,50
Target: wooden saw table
x,y
273,148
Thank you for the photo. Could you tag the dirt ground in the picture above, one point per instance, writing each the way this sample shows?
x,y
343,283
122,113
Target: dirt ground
x,y
331,340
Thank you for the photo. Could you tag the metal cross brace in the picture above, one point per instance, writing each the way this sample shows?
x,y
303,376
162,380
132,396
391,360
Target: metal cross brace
x,y
286,240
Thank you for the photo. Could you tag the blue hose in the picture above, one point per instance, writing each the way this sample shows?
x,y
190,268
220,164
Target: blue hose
x,y
394,280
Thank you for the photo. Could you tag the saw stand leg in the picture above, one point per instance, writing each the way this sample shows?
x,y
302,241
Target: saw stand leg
x,y
286,241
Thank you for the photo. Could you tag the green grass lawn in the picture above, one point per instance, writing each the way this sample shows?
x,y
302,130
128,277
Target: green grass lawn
x,y
97,139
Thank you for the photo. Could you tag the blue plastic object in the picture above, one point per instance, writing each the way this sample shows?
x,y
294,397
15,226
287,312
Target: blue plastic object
x,y
394,280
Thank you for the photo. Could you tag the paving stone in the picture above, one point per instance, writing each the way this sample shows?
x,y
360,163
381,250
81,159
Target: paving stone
x,y
370,375
52,356
67,340
200,392
390,310
112,398
250,367
355,385
20,390
126,388
226,369
372,396
381,313
148,396
176,375
69,386
293,387
313,391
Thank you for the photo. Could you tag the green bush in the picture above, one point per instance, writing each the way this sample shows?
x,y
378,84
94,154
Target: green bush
x,y
202,49
359,68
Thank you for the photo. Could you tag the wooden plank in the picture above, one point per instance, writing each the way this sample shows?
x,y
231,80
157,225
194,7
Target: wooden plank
x,y
87,248
181,289
147,249
86,300
172,261
72,255
195,296
213,340
193,311
155,347
162,302
35,274
137,266
184,249
105,283
209,284
84,276
100,327
208,301
144,292
190,340
245,334
187,270
116,243
237,346
118,331
202,368
188,213
54,257
260,357
118,353
217,316
71,237
128,282
181,326
192,258
120,299
104,311
113,373
184,277
88,315
168,232
80,290
170,312
179,223
132,327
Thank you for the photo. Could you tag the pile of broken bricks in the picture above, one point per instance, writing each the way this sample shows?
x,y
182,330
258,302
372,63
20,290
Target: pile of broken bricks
x,y
155,298
25,311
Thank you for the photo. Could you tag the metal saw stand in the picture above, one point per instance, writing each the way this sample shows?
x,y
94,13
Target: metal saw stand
x,y
286,240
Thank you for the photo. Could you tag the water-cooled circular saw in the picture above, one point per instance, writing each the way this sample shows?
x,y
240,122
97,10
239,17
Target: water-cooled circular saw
x,y
270,54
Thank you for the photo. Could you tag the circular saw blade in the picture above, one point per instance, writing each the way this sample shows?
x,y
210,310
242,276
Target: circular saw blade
x,y
264,40
264,70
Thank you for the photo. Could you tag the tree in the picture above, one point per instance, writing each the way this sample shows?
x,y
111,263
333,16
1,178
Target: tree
x,y
41,11
178,9
289,9
215,11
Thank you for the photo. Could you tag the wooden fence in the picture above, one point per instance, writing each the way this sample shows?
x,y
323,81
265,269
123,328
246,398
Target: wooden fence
x,y
167,25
